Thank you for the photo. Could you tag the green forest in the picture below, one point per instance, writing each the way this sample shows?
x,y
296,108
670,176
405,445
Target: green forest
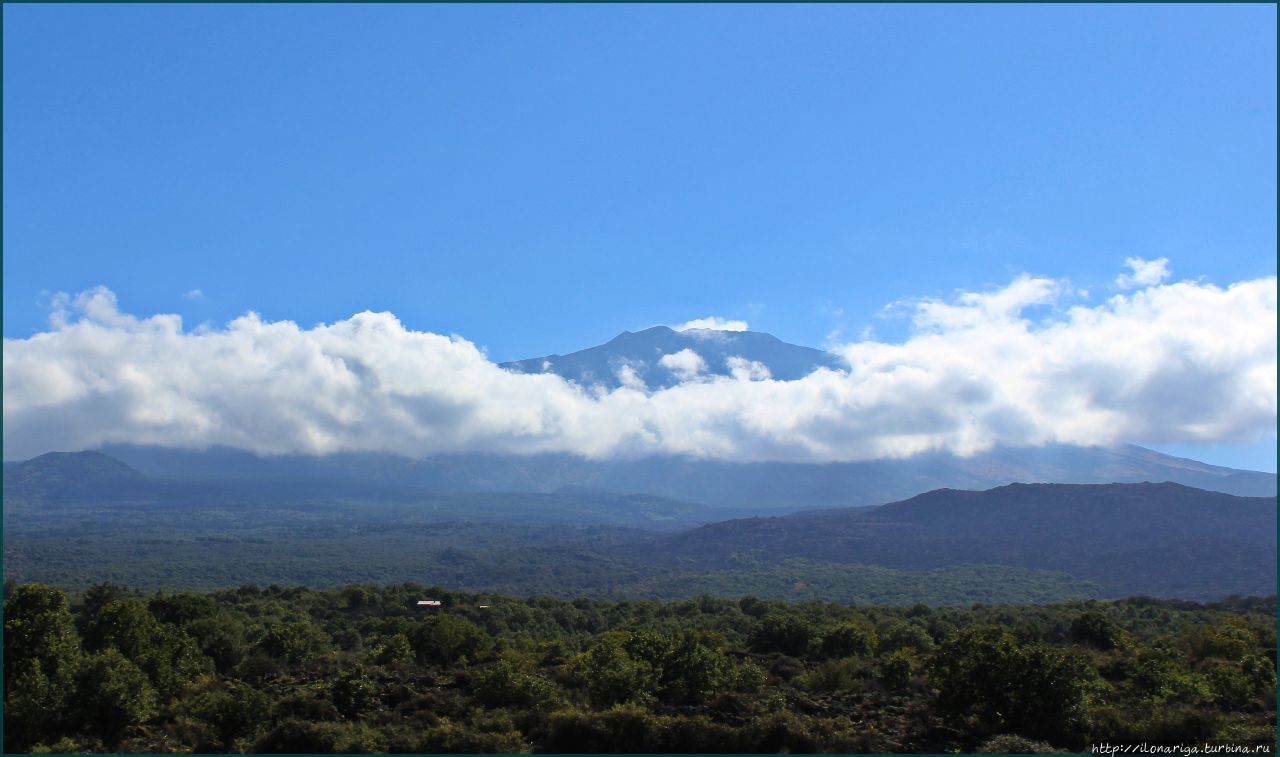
x,y
364,668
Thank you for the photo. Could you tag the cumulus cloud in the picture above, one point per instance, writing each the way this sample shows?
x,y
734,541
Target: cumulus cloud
x,y
628,375
685,364
1176,362
1143,273
747,370
712,323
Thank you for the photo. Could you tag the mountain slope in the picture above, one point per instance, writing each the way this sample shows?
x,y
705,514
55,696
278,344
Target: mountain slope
x,y
68,476
1160,539
95,485
643,351
737,488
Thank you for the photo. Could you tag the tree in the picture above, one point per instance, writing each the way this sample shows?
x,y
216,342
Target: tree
x,y
293,642
777,632
41,656
1094,629
235,711
98,596
896,668
1161,674
854,638
125,624
182,609
612,675
444,639
985,678
221,639
1260,673
353,693
1230,639
906,636
683,668
39,629
691,668
511,681
392,648
112,695
169,657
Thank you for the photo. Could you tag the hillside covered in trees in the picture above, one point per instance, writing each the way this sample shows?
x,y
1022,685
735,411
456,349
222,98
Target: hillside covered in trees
x,y
74,520
363,668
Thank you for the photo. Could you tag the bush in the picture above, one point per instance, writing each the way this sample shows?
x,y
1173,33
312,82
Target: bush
x,y
834,675
896,669
1008,743
511,682
623,728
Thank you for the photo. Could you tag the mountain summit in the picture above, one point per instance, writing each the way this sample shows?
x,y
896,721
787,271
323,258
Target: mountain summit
x,y
662,357
58,476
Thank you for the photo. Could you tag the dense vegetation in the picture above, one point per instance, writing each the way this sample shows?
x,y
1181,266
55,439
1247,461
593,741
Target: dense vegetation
x,y
218,537
362,669
1129,539
73,520
506,558
1016,544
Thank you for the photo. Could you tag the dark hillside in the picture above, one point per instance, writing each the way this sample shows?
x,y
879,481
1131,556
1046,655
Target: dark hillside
x,y
1160,539
68,476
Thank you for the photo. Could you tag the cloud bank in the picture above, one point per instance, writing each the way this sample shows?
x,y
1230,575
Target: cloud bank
x,y
1176,362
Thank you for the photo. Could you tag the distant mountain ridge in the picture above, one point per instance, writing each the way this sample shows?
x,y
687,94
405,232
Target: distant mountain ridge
x,y
1022,542
1161,539
644,350
742,487
92,478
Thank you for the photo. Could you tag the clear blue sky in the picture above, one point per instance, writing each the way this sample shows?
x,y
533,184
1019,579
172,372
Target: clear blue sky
x,y
539,179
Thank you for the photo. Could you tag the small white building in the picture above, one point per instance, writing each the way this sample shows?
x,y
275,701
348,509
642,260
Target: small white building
x,y
428,603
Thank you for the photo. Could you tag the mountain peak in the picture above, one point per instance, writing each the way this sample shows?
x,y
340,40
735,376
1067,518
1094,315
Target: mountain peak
x,y
61,475
87,462
643,352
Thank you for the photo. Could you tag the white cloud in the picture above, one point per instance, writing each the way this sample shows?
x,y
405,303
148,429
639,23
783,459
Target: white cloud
x,y
685,364
712,323
628,374
1179,362
194,294
983,309
1145,273
747,370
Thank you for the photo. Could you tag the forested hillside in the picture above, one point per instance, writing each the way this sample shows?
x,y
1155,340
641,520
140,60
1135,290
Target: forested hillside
x,y
365,669
76,520
1162,539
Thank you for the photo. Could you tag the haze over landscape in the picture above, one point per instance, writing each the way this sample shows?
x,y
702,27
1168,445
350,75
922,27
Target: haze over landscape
x,y
558,378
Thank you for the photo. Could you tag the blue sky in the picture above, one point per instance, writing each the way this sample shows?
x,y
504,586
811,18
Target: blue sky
x,y
539,179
